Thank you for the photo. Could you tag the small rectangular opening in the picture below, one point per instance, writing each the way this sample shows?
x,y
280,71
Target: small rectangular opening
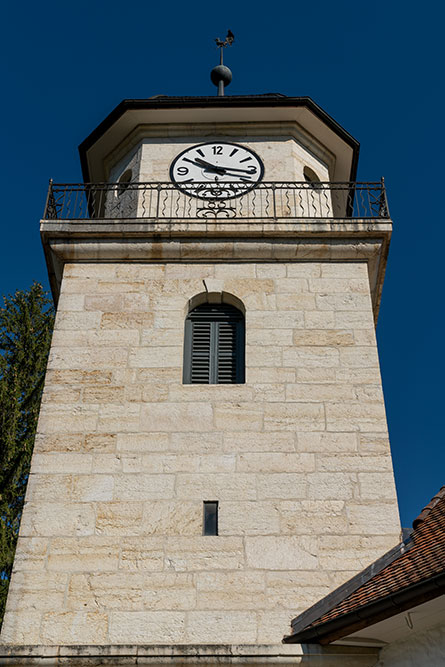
x,y
210,518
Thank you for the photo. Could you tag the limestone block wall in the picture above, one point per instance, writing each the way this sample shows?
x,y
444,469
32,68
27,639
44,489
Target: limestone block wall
x,y
111,547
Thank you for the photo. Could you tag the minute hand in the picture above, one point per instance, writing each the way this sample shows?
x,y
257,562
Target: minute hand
x,y
252,170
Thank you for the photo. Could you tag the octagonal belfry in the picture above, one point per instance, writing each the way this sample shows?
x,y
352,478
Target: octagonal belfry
x,y
212,453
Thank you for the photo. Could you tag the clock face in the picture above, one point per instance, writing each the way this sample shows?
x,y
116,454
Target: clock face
x,y
216,170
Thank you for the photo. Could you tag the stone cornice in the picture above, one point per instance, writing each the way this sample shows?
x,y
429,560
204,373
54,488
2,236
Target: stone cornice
x,y
201,241
204,654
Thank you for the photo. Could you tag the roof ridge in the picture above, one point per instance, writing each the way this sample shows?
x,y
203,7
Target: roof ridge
x,y
427,509
187,97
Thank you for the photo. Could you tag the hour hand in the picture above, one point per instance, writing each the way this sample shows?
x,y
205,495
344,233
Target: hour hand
x,y
224,170
213,167
207,165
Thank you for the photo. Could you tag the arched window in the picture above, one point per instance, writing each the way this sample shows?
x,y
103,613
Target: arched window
x,y
124,181
311,177
214,345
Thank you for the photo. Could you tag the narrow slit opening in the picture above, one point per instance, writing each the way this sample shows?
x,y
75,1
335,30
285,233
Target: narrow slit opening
x,y
210,517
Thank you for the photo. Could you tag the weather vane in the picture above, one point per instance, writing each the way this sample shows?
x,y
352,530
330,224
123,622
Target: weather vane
x,y
221,75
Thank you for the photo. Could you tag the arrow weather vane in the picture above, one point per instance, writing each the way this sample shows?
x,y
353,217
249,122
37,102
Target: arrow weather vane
x,y
221,75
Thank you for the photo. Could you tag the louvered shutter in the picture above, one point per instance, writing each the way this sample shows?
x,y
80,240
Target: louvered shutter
x,y
214,345
226,365
200,356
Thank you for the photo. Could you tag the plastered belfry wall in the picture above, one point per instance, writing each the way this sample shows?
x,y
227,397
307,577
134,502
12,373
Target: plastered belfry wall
x,y
111,548
148,152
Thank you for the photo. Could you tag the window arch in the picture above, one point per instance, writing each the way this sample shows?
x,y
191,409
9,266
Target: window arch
x,y
214,345
124,181
311,178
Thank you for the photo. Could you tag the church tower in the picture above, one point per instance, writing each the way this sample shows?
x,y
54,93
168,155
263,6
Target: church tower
x,y
212,453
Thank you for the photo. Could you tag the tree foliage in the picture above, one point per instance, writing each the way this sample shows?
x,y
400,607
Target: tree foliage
x,y
26,322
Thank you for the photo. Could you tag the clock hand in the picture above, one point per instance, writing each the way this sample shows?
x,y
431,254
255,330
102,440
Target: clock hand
x,y
203,163
252,170
222,171
219,169
211,166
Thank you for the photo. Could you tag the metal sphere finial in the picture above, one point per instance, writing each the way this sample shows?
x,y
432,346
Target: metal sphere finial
x,y
221,75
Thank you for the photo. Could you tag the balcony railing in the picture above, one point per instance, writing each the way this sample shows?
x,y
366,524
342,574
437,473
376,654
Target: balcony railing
x,y
216,202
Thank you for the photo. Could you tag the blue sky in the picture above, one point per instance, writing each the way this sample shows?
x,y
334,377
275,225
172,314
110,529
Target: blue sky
x,y
377,68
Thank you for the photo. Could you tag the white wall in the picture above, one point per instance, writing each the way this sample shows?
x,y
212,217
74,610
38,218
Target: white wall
x,y
422,649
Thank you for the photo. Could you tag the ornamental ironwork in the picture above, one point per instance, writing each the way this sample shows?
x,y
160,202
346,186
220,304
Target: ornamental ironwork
x,y
225,201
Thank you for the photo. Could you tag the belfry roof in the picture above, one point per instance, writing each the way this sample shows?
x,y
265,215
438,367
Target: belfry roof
x,y
167,109
408,575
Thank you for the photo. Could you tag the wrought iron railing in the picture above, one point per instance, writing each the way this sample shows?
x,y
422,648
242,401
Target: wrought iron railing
x,y
216,202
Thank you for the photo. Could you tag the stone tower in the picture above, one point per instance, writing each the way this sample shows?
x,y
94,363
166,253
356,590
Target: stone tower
x,y
196,486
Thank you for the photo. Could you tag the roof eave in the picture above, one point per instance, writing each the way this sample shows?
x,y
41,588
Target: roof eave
x,y
240,101
371,613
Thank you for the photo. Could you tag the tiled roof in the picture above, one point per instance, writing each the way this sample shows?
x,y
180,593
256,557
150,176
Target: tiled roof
x,y
422,559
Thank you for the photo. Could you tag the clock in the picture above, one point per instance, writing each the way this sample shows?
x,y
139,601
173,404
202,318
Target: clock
x,y
216,170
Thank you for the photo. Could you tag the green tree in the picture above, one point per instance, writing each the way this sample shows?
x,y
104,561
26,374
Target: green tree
x,y
26,323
